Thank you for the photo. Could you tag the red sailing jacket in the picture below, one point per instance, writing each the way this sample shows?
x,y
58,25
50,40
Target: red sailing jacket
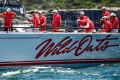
x,y
106,13
107,26
8,16
115,22
83,20
43,23
36,22
56,22
90,28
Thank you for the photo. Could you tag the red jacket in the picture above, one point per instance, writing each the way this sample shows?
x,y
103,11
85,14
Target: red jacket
x,y
8,16
83,20
83,23
115,22
107,26
90,28
42,23
106,13
36,22
56,21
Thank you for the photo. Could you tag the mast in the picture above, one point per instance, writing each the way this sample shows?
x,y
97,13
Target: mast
x,y
4,2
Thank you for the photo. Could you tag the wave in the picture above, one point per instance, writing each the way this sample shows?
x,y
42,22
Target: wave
x,y
104,71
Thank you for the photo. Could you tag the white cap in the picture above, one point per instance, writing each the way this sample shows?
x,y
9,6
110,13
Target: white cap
x,y
82,13
40,12
104,17
112,14
55,11
103,8
8,9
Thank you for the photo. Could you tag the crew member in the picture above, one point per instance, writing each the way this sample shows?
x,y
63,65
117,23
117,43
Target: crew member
x,y
8,19
35,20
82,21
115,23
42,19
56,22
105,12
106,25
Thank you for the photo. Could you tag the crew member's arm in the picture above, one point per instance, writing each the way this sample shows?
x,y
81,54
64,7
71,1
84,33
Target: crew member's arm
x,y
3,14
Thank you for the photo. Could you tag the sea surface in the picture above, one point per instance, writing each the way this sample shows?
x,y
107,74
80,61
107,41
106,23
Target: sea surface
x,y
101,72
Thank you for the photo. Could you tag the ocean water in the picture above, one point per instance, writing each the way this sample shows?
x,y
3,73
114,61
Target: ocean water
x,y
101,72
